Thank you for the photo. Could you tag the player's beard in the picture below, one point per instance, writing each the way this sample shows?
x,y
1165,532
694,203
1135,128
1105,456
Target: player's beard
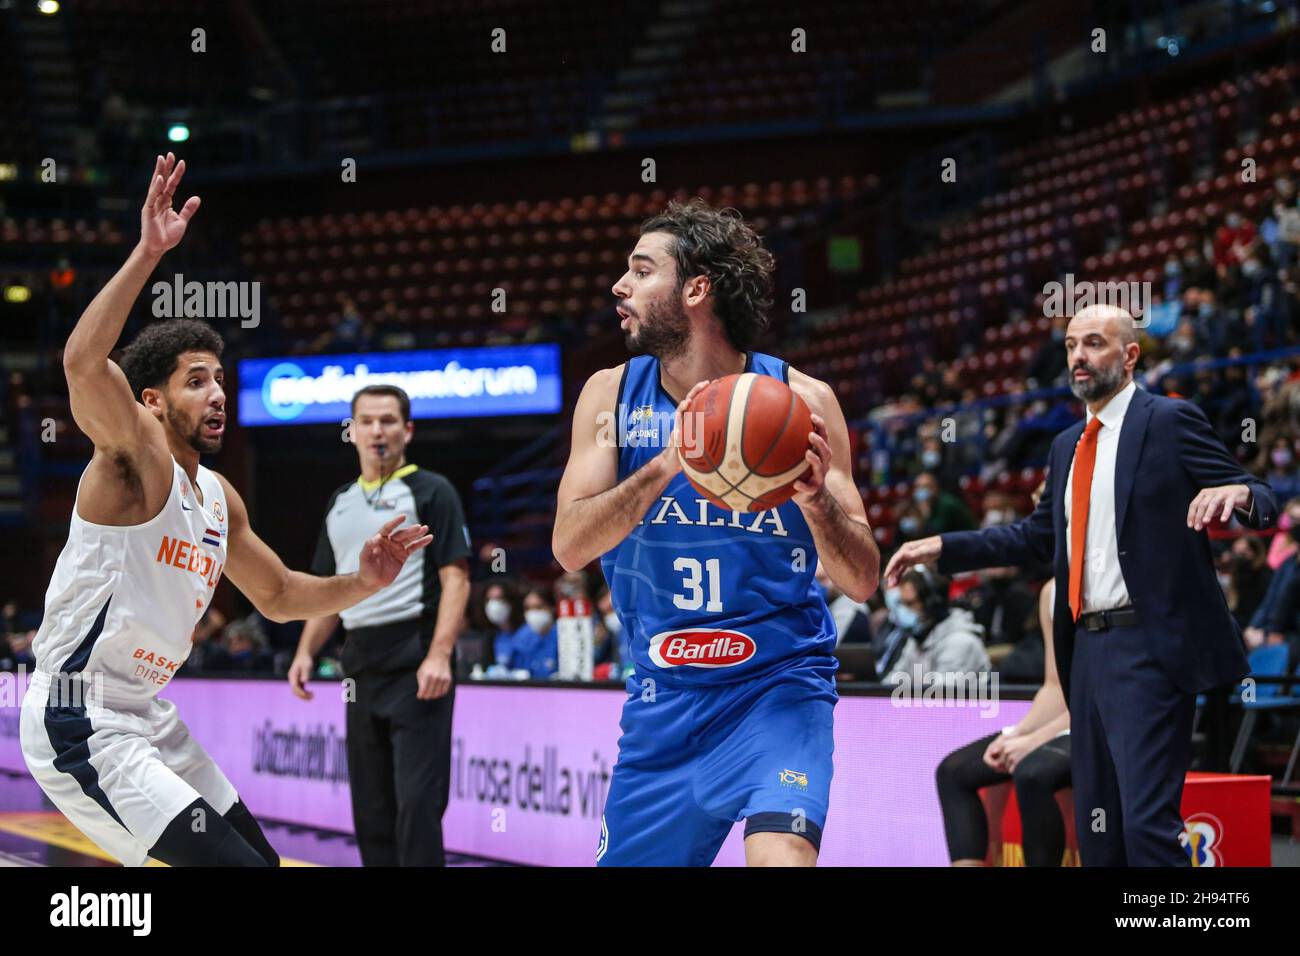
x,y
1104,381
192,432
665,329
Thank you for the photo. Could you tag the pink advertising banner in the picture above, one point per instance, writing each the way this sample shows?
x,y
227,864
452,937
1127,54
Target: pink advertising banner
x,y
531,765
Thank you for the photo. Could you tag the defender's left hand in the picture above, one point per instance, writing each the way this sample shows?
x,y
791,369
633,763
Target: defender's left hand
x,y
383,555
1217,502
809,492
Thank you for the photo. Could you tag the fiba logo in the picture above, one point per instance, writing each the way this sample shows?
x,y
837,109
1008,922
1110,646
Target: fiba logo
x,y
794,778
1201,836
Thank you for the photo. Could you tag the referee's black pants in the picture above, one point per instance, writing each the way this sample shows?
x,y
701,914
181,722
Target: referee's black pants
x,y
399,767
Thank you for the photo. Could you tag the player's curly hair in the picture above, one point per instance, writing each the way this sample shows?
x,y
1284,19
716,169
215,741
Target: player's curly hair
x,y
151,357
718,243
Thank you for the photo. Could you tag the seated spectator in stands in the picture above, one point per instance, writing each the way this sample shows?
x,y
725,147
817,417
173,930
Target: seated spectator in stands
x,y
1002,604
852,620
1034,755
614,642
17,651
243,647
17,631
205,637
1248,577
940,510
1196,273
534,647
495,609
930,635
1275,617
503,612
1049,363
1282,474
910,522
1232,239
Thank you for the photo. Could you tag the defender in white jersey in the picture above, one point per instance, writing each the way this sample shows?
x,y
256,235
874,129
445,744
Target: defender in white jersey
x,y
150,535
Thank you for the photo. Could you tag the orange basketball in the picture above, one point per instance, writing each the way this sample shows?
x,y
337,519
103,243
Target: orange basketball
x,y
743,442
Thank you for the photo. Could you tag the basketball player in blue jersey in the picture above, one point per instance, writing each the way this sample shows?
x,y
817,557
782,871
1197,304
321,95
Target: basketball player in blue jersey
x,y
729,713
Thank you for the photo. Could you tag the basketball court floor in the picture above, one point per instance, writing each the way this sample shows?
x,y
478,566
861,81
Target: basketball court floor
x,y
34,833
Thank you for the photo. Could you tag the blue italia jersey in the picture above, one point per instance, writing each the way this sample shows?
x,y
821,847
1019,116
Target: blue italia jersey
x,y
706,595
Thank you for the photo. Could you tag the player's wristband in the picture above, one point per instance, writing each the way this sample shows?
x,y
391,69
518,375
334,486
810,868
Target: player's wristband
x,y
1009,730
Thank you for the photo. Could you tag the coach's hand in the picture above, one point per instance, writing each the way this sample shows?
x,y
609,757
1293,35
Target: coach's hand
x,y
299,673
921,551
434,676
1217,502
383,555
162,227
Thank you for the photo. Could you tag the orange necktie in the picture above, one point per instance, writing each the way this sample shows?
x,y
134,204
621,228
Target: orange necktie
x,y
1085,456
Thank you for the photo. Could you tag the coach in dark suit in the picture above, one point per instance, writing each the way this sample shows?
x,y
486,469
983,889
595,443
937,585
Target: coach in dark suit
x,y
1140,622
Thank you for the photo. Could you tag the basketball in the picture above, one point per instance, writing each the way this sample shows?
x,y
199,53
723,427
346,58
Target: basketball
x,y
743,442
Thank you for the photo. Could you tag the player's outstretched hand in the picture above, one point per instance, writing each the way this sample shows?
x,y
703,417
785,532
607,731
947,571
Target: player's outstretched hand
x,y
383,555
161,227
921,551
818,457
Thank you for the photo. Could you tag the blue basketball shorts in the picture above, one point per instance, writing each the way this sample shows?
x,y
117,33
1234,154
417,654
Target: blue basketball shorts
x,y
693,761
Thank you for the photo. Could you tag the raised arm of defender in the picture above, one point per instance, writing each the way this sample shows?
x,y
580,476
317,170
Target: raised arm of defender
x,y
595,511
102,403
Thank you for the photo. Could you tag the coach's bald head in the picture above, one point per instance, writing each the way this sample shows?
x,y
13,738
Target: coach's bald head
x,y
1102,350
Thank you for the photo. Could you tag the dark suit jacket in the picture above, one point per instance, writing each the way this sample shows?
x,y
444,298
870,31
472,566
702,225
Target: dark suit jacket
x,y
1167,454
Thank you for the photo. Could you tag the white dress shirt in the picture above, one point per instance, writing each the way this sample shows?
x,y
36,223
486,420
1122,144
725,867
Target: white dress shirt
x,y
1103,581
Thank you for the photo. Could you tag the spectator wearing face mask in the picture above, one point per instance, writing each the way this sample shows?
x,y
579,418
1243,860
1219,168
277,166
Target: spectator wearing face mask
x,y
534,647
495,609
1232,238
1275,617
1266,312
1281,471
939,459
1248,577
939,510
927,633
1280,230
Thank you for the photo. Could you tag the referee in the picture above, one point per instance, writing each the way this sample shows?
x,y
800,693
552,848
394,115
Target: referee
x,y
399,642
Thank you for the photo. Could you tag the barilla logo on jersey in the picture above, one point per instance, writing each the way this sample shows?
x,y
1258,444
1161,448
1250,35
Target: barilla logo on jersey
x,y
701,647
188,556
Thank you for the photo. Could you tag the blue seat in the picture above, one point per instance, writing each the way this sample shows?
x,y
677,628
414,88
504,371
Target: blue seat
x,y
1267,661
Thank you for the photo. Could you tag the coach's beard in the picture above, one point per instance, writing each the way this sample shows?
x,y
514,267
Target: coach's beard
x,y
1103,381
664,333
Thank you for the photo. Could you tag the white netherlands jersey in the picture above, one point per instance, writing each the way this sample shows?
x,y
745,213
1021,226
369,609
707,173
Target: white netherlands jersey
x,y
123,602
